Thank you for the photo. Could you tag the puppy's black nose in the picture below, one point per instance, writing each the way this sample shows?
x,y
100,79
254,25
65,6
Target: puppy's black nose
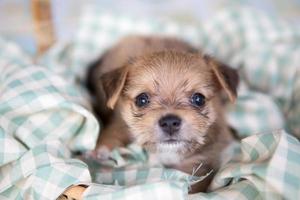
x,y
170,124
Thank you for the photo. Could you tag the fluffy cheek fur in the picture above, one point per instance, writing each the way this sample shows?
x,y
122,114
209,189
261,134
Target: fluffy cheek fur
x,y
141,124
144,129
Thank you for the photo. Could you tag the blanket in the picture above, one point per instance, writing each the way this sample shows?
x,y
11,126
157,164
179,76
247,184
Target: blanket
x,y
45,115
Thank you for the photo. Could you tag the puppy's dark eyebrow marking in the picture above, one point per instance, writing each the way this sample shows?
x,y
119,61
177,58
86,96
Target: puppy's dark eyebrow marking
x,y
156,86
185,83
207,86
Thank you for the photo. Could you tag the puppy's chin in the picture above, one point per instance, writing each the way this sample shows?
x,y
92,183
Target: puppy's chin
x,y
171,146
169,152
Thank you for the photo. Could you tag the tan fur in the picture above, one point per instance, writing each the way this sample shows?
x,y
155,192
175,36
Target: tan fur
x,y
170,71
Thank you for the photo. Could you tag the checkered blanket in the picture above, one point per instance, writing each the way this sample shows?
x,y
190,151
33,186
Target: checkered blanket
x,y
45,114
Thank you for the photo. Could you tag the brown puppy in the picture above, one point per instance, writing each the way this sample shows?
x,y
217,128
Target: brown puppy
x,y
165,96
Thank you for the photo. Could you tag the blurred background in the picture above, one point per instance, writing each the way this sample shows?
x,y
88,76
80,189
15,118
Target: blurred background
x,y
22,22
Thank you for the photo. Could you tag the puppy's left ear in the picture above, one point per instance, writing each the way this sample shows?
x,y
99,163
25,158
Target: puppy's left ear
x,y
112,84
226,76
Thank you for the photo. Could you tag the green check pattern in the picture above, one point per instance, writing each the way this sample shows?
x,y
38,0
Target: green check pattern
x,y
45,116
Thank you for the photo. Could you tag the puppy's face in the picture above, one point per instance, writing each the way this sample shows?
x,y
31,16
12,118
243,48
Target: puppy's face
x,y
170,100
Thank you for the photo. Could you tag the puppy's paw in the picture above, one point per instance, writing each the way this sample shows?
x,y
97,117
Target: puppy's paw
x,y
102,153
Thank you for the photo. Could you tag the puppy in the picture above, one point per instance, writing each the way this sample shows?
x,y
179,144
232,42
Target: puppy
x,y
164,95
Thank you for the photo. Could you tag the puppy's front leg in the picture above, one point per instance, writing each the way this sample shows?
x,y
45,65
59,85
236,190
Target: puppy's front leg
x,y
112,136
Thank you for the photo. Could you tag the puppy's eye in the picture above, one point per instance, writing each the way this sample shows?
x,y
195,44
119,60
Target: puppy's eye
x,y
142,100
198,99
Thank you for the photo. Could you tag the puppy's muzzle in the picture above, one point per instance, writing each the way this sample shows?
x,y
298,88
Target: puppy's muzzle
x,y
170,124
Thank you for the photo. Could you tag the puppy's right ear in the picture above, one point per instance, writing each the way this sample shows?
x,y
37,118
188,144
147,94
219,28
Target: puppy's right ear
x,y
113,83
227,77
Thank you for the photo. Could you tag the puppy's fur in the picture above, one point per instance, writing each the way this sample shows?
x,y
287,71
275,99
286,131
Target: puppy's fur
x,y
169,71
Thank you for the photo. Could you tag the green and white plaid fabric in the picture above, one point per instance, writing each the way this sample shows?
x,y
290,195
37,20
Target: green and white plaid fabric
x,y
43,118
44,114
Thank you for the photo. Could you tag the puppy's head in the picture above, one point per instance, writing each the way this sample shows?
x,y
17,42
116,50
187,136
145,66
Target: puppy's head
x,y
170,100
